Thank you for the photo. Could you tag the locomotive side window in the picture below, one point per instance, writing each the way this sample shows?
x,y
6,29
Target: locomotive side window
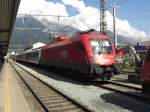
x,y
80,46
101,46
148,55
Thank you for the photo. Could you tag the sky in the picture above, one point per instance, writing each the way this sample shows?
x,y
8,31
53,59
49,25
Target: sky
x,y
132,16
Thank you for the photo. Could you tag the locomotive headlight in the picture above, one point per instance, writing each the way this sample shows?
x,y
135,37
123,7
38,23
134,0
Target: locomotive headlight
x,y
91,60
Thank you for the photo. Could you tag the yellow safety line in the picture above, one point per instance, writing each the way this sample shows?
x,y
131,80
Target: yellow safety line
x,y
7,100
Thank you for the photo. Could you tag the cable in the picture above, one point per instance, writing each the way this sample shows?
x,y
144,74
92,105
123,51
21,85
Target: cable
x,y
40,15
68,16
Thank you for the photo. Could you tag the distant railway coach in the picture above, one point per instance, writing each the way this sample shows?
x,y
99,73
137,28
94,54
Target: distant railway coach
x,y
30,56
88,53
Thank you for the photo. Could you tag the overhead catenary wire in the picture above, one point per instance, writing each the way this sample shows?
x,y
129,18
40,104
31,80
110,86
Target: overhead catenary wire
x,y
47,15
40,15
64,15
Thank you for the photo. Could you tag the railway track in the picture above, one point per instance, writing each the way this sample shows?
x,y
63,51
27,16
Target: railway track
x,y
132,91
50,99
126,85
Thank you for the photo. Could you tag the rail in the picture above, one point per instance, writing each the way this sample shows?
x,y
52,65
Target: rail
x,y
50,98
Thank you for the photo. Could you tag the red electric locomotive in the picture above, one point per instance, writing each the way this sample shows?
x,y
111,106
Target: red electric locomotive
x,y
90,54
145,73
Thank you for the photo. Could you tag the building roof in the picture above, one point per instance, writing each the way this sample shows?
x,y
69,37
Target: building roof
x,y
8,11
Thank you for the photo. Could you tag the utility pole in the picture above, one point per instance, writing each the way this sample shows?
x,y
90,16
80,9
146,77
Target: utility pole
x,y
114,24
103,24
58,18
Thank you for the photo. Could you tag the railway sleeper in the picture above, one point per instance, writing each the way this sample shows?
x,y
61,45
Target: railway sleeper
x,y
55,100
63,109
49,97
47,94
60,104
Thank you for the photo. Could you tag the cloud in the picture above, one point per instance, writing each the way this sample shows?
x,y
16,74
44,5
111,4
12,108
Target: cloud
x,y
87,17
42,7
83,21
123,27
79,4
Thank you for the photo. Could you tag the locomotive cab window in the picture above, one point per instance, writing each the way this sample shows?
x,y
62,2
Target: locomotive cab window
x,y
101,46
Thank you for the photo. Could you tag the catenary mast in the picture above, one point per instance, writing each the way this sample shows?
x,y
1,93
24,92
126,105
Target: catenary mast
x,y
103,24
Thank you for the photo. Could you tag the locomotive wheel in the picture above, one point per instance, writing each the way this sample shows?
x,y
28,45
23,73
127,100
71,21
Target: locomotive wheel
x,y
116,69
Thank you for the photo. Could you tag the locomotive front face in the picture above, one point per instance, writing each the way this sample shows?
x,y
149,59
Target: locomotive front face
x,y
101,56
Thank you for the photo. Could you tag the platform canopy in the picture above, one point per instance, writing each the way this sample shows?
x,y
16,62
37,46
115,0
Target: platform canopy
x,y
8,12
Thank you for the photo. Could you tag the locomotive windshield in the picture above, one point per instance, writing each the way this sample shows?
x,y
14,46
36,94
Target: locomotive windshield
x,y
101,46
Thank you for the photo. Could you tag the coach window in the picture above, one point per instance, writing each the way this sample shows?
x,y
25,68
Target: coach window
x,y
35,54
27,56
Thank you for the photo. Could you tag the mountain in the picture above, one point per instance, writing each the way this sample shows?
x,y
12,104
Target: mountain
x,y
29,30
122,39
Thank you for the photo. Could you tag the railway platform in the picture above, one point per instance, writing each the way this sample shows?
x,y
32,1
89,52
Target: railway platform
x,y
11,96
